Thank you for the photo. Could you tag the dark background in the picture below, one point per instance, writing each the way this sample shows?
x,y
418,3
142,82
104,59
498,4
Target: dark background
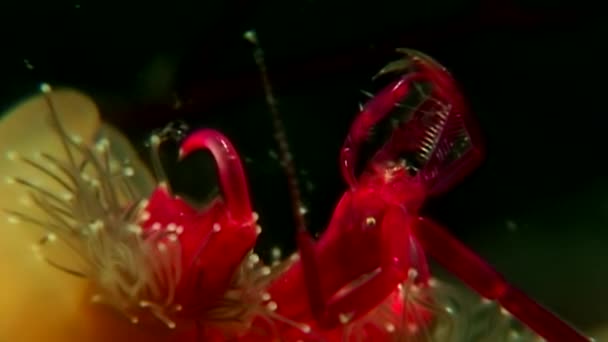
x,y
534,73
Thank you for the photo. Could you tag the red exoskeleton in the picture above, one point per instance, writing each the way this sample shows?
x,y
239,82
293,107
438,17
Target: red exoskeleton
x,y
376,239
155,257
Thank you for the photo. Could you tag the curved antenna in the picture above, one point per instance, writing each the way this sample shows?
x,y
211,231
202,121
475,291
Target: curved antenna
x,y
285,156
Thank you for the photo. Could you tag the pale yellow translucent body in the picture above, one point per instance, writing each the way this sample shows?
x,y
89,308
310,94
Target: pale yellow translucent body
x,y
37,301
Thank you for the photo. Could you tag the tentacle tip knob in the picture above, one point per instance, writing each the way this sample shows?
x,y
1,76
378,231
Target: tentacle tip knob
x,y
251,36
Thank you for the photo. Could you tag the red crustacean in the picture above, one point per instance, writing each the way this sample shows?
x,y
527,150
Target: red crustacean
x,y
376,240
366,278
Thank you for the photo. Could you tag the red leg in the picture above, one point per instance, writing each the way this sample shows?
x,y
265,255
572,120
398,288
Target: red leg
x,y
365,253
481,277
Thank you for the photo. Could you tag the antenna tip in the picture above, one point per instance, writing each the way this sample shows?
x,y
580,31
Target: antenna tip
x,y
251,36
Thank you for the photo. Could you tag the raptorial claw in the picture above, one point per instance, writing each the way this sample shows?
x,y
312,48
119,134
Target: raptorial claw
x,y
431,131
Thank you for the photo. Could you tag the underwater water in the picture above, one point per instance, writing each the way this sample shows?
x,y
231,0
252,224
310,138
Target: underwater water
x,y
535,209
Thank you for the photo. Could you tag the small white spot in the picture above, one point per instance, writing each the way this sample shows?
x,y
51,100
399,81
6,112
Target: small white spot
x,y
45,88
179,230
412,274
9,180
96,226
102,145
265,296
161,247
217,227
135,229
305,328
345,318
144,215
251,36
449,310
66,196
134,320
504,312
77,139
156,226
514,334
13,220
128,171
154,140
51,237
370,221
12,155
256,216
302,210
390,327
265,270
85,177
272,306
258,229
276,253
172,238
254,258
171,227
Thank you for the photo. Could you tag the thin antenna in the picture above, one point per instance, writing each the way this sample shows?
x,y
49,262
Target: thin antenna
x,y
285,156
